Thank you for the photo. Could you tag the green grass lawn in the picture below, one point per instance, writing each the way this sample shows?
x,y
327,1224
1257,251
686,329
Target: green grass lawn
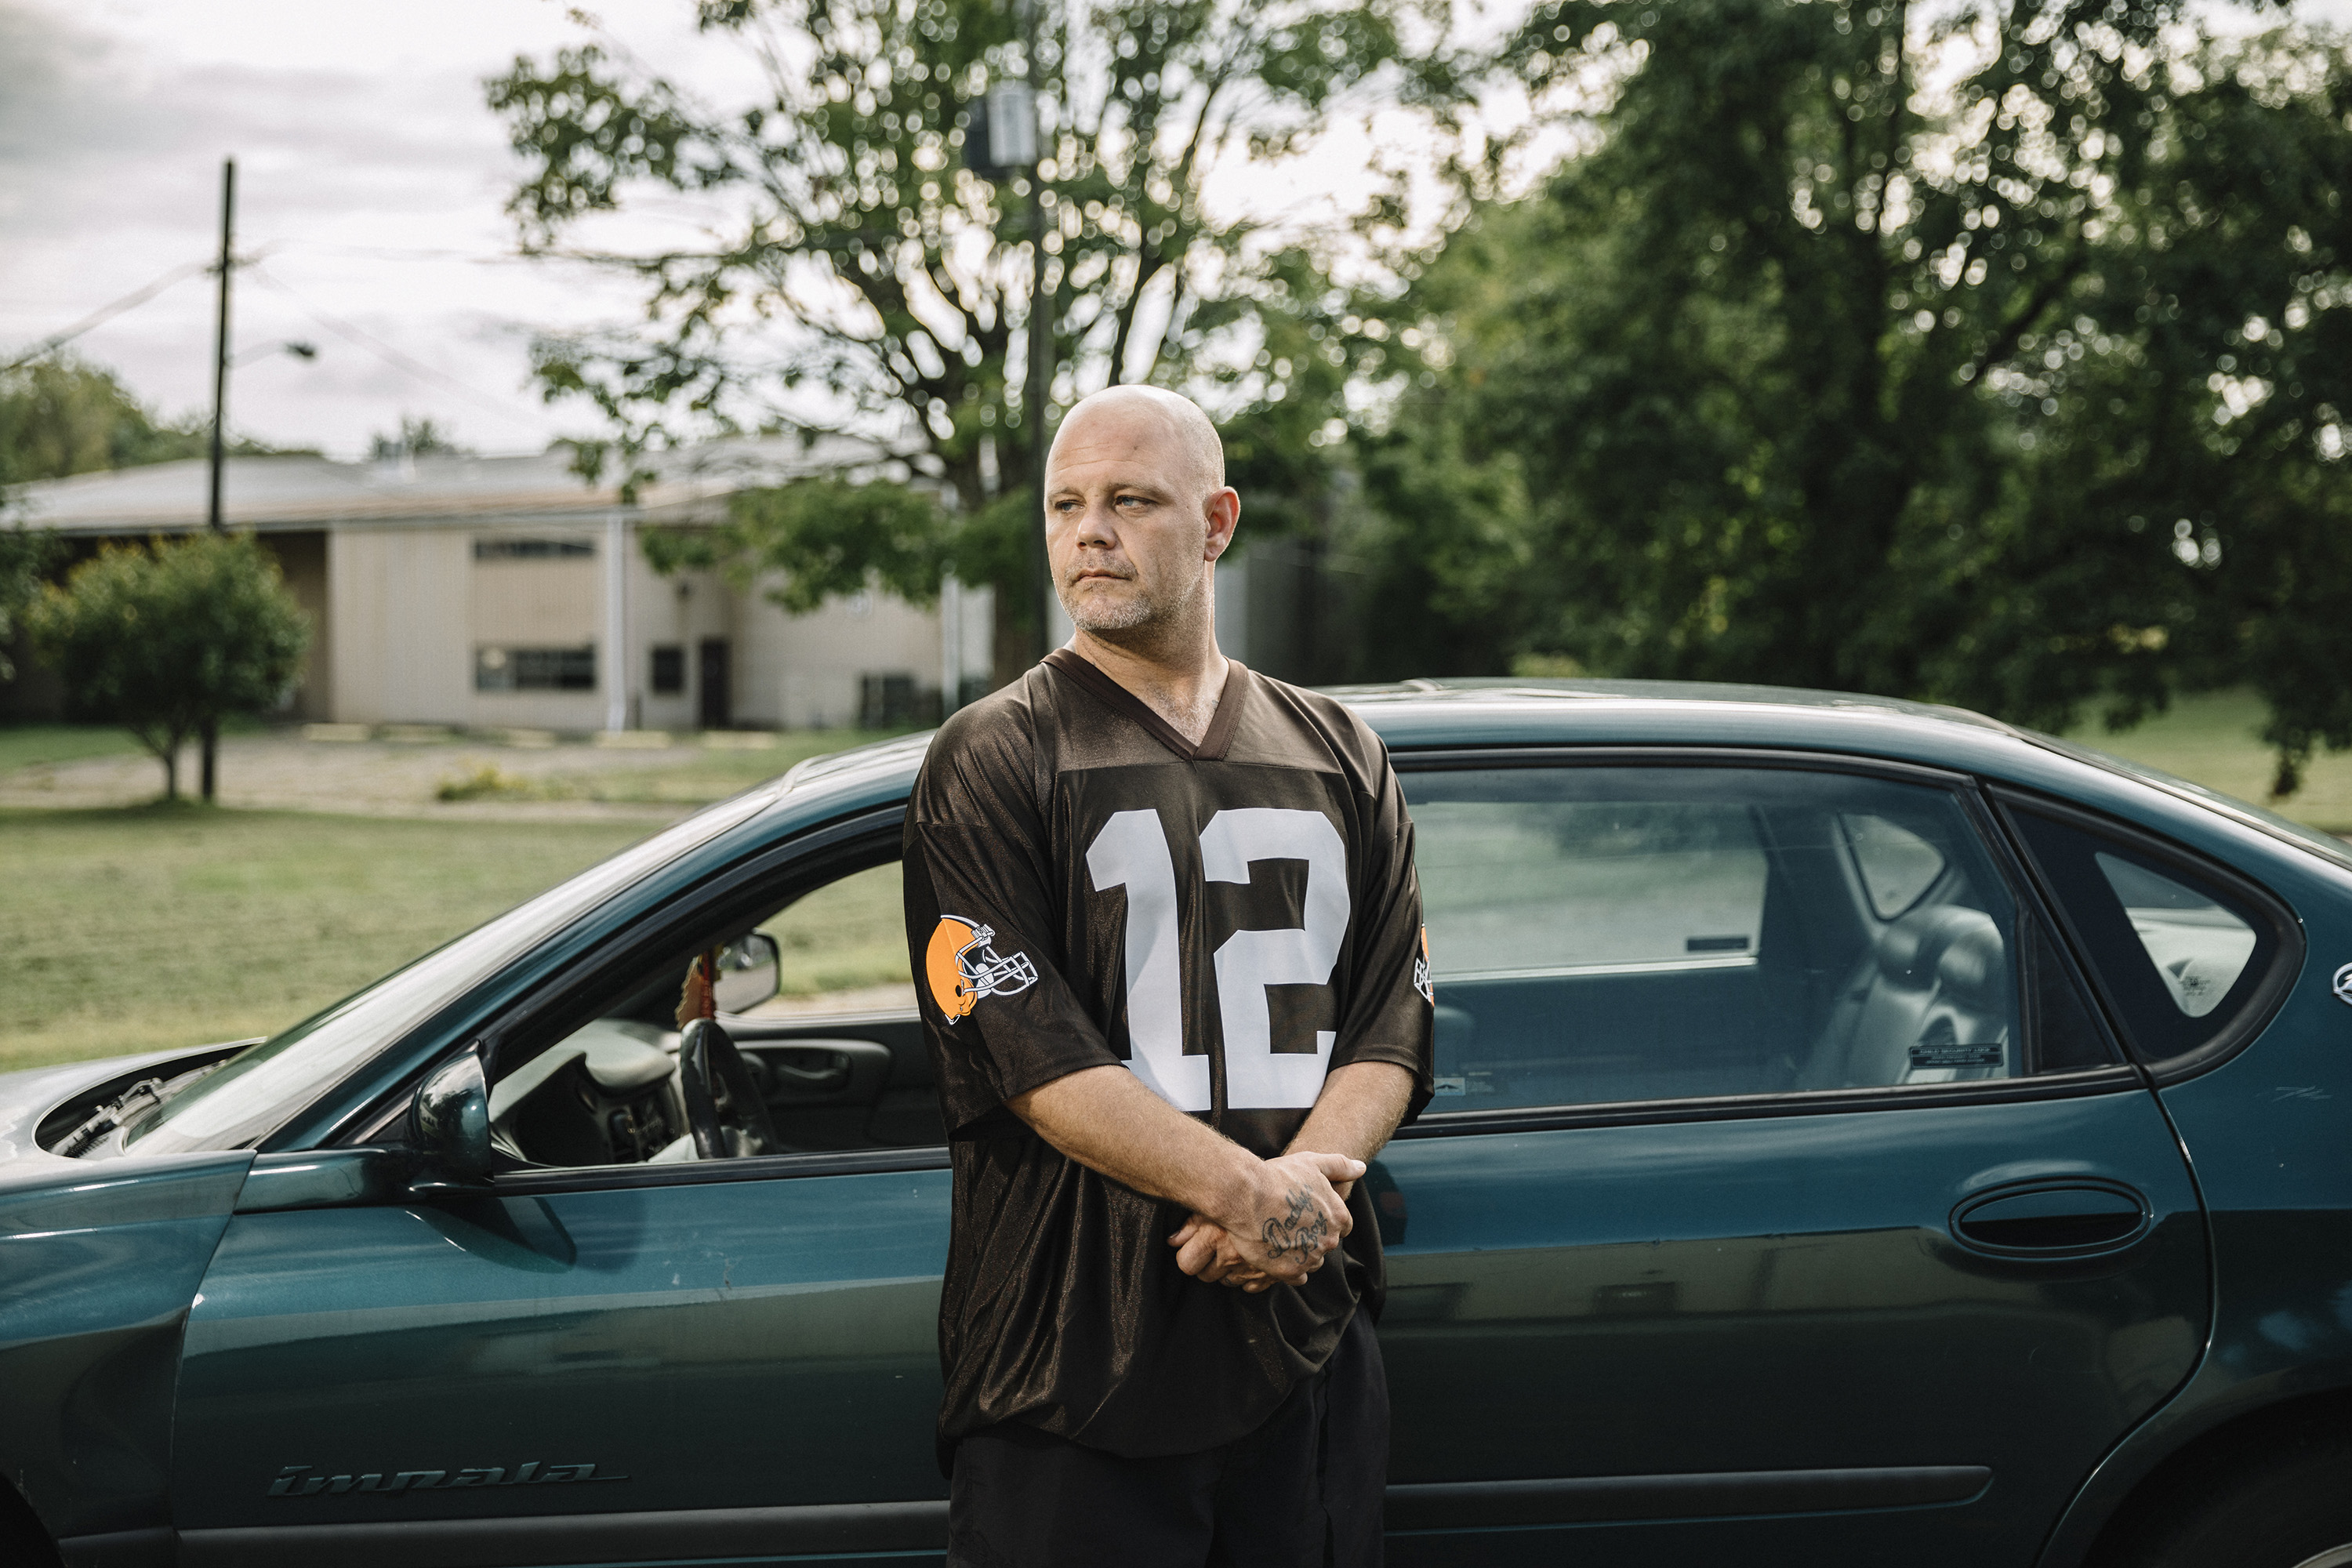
x,y
2212,738
136,929
848,936
705,776
28,745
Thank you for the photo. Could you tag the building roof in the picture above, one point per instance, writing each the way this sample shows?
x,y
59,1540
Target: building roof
x,y
280,494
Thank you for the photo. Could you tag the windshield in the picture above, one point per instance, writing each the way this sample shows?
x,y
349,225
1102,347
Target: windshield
x,y
249,1095
2271,822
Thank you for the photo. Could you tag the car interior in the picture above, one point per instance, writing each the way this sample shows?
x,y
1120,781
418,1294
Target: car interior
x,y
812,1044
1604,935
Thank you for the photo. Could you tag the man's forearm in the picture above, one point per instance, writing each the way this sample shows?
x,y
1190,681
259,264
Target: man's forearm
x,y
1106,1121
1359,1108
1284,1216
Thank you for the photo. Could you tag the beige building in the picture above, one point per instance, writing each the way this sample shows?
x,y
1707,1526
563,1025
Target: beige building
x,y
503,591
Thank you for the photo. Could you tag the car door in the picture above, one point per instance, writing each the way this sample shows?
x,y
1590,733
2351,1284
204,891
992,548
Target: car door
x,y
616,1363
1782,1198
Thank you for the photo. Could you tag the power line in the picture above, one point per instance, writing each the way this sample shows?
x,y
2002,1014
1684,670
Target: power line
x,y
361,338
407,253
105,314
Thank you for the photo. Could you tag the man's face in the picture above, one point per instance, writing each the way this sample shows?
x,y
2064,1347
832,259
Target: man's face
x,y
1132,519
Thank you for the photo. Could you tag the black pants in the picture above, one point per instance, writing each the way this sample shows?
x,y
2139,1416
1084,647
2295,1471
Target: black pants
x,y
1301,1491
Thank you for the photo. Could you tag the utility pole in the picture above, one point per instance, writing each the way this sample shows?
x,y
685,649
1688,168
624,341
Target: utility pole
x,y
220,424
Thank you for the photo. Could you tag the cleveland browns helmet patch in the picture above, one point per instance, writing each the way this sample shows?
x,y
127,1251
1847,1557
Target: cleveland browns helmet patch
x,y
962,967
1421,977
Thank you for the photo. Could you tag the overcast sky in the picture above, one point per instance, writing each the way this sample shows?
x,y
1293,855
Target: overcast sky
x,y
368,169
370,173
371,177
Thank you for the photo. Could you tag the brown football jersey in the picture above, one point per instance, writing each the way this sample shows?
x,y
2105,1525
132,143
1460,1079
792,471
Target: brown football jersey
x,y
1228,921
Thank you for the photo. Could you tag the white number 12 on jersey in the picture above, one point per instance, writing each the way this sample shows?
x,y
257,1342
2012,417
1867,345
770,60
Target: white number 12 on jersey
x,y
1131,852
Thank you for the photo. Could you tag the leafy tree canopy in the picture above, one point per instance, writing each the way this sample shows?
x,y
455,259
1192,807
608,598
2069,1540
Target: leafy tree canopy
x,y
895,279
167,638
417,439
63,416
2001,357
26,557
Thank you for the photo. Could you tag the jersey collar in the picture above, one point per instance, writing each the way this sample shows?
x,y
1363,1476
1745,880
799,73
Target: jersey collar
x,y
1120,699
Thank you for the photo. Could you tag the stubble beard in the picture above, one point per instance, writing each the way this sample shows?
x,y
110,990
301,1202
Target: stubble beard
x,y
1093,614
1134,619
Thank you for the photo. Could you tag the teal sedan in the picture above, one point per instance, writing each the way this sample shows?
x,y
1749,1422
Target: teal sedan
x,y
1864,1133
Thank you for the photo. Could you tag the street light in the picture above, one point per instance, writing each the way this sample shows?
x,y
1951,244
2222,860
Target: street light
x,y
295,347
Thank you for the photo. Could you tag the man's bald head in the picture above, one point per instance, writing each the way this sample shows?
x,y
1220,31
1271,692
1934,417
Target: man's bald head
x,y
1140,414
1137,512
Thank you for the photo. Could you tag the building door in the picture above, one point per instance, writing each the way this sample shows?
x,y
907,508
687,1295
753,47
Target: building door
x,y
717,689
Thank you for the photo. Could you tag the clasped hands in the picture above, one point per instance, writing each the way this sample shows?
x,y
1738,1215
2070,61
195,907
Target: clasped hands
x,y
1292,1217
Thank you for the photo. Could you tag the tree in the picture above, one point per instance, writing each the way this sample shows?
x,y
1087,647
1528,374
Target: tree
x,y
25,558
863,278
166,638
2000,358
63,416
417,439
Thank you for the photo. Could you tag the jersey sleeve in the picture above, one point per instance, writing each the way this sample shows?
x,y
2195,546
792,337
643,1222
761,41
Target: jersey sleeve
x,y
981,931
1391,1005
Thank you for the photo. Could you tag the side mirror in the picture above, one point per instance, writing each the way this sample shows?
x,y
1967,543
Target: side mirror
x,y
750,970
449,1126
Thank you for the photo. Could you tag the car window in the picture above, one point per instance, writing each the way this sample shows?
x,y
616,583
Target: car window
x,y
2182,951
1608,934
1896,865
2199,948
843,949
821,1014
1524,887
256,1091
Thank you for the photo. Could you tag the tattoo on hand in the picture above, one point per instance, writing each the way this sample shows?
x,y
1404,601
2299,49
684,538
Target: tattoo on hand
x,y
1299,1231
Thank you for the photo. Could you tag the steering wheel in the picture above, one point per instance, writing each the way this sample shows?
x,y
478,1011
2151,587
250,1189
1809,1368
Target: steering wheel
x,y
724,1110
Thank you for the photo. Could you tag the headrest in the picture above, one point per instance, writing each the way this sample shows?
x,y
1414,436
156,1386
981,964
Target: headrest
x,y
1912,950
1974,969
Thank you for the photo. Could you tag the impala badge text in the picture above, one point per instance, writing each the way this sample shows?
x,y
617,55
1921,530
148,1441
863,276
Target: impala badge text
x,y
301,1480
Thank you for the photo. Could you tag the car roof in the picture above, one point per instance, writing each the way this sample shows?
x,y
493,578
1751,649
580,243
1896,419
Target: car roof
x,y
1467,714
1488,690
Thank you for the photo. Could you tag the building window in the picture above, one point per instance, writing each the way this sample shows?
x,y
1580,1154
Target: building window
x,y
500,548
669,670
535,668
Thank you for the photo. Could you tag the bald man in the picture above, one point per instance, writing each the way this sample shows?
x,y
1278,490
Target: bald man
x,y
1177,998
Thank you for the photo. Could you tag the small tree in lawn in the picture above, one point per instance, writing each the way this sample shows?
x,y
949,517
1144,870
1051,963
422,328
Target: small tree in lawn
x,y
166,638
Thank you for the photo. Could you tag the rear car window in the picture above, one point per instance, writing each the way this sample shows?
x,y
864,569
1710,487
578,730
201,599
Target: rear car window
x,y
2199,948
1609,934
2184,951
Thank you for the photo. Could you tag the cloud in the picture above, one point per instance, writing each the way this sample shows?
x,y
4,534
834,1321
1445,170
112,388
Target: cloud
x,y
371,175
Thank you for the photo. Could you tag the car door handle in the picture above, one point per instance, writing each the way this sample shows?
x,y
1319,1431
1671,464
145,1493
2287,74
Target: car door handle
x,y
816,1070
2051,1219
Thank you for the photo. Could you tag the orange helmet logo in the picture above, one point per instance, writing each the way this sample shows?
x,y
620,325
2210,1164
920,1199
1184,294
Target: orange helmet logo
x,y
961,967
